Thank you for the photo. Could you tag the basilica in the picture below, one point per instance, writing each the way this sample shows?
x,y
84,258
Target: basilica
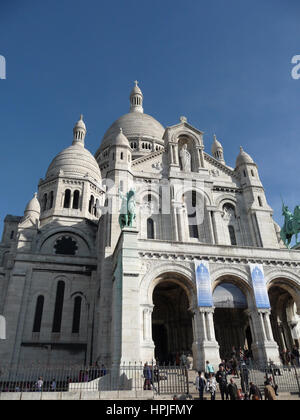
x,y
194,263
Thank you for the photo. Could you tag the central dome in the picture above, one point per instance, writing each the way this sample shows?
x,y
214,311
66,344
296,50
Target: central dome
x,y
144,133
134,125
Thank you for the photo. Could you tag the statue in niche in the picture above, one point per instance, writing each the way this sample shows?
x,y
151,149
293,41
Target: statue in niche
x,y
185,158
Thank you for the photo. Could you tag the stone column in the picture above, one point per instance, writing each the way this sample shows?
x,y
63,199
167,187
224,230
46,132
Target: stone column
x,y
264,347
205,346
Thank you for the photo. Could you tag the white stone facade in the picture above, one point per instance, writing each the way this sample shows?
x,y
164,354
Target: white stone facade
x,y
74,288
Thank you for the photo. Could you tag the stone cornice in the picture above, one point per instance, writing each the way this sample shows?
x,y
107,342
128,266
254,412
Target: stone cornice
x,y
218,254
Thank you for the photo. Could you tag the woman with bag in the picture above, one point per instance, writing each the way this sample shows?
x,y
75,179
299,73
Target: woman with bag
x,y
211,386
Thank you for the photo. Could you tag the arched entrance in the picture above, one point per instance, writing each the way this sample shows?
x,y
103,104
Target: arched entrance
x,y
171,322
230,319
284,318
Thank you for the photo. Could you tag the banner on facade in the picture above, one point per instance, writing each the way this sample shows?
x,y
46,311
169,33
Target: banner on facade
x,y
204,294
2,328
259,286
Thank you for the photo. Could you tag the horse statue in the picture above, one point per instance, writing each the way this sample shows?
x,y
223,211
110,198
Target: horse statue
x,y
291,225
127,211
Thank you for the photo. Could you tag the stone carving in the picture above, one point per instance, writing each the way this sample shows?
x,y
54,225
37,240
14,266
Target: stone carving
x,y
185,158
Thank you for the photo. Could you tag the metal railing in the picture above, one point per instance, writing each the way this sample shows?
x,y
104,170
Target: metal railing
x,y
164,379
285,378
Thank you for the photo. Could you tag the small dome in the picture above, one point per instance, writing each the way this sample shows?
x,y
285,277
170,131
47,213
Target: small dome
x,y
76,160
243,158
120,139
33,206
216,146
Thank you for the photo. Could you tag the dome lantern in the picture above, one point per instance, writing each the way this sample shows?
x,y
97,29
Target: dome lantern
x,y
136,99
79,131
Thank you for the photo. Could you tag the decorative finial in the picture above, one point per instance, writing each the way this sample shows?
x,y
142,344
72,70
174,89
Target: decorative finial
x,y
136,82
241,149
183,119
121,130
81,117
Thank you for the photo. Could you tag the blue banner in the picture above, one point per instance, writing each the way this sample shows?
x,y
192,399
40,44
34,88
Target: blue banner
x,y
259,286
204,294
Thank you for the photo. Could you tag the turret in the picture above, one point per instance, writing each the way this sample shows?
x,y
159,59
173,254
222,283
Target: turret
x,y
217,150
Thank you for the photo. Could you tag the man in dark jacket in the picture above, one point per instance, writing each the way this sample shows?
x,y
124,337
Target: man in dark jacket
x,y
255,392
233,390
221,378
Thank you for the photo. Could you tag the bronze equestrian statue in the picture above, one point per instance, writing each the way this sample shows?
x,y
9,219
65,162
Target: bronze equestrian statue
x,y
291,225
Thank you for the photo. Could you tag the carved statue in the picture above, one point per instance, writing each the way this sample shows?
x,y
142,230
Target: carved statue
x,y
185,158
127,211
291,225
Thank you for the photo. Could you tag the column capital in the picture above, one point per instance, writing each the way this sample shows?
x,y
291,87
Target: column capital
x,y
206,309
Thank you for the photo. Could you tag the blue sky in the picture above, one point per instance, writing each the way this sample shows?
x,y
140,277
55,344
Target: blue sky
x,y
224,64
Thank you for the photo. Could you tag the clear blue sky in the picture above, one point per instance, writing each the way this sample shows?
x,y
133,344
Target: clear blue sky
x,y
224,64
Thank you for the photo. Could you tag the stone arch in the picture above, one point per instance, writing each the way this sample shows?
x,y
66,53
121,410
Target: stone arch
x,y
236,277
182,275
184,132
172,301
287,282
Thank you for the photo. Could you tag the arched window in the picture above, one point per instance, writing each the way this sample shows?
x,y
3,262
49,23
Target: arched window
x,y
76,199
232,235
67,200
259,201
76,315
59,302
44,202
150,228
65,246
121,156
91,204
38,314
51,198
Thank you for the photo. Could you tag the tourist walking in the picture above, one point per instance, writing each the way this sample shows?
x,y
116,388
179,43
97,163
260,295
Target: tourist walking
x,y
221,378
208,369
233,390
255,392
39,384
200,384
269,391
211,386
148,377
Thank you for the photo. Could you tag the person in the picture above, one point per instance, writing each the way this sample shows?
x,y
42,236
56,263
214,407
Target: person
x,y
39,384
221,378
208,369
212,386
102,370
275,386
234,365
53,385
148,377
255,392
269,391
183,359
200,384
233,390
296,355
244,377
